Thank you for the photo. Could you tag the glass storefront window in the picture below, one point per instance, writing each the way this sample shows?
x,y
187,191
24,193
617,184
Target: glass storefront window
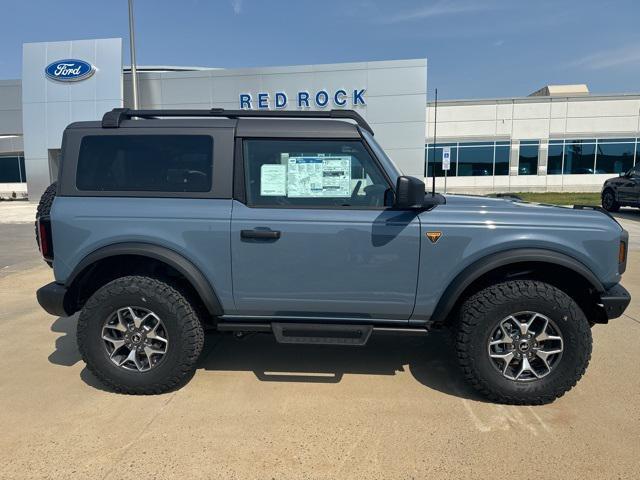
x,y
10,169
23,171
528,158
570,156
614,157
579,157
475,161
617,140
502,158
554,162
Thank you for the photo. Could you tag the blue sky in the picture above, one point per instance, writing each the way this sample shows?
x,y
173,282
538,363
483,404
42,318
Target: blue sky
x,y
475,49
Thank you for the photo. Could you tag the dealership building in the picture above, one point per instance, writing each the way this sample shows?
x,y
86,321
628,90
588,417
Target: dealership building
x,y
560,138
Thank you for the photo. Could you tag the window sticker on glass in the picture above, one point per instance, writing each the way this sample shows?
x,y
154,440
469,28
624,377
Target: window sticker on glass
x,y
319,176
273,180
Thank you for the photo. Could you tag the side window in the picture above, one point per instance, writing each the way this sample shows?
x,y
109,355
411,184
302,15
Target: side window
x,y
145,163
312,173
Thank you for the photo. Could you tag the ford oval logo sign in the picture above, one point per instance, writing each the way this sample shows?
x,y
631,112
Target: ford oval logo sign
x,y
69,70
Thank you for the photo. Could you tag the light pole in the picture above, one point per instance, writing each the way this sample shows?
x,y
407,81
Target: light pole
x,y
132,48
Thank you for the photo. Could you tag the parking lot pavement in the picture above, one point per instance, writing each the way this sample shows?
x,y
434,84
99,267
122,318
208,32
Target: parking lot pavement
x,y
630,220
17,245
17,212
396,408
17,248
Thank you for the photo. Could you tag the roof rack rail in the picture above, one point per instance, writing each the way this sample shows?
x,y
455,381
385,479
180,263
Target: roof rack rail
x,y
113,118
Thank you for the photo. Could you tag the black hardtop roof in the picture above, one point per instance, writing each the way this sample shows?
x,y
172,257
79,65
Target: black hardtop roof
x,y
245,127
248,122
114,118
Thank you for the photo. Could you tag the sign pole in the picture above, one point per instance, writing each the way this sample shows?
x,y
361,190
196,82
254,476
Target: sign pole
x,y
446,164
132,47
433,170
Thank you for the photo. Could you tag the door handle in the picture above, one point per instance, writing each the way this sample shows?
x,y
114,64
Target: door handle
x,y
262,234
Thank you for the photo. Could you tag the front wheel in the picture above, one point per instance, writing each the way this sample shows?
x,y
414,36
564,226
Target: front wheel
x,y
523,342
609,201
139,335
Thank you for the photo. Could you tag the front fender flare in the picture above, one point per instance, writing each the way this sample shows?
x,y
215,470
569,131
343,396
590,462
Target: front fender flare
x,y
172,258
480,267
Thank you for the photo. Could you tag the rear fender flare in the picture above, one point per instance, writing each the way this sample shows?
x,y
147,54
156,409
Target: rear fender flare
x,y
175,260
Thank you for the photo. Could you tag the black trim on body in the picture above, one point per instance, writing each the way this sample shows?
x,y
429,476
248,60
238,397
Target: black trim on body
x,y
239,187
485,265
615,301
175,260
51,298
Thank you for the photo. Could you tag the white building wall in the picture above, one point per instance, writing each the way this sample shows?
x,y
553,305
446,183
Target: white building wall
x,y
533,118
395,95
49,106
10,107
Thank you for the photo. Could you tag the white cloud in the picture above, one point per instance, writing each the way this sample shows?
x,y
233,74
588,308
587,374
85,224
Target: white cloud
x,y
609,58
237,6
437,9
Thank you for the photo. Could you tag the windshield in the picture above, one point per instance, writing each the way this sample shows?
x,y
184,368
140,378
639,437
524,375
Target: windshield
x,y
390,167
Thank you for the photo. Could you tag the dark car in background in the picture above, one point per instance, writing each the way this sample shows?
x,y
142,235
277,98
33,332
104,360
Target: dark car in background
x,y
622,191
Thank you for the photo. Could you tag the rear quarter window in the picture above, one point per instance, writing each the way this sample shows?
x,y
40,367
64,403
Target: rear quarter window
x,y
145,163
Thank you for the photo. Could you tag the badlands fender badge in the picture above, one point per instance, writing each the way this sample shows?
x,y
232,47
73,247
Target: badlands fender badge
x,y
433,236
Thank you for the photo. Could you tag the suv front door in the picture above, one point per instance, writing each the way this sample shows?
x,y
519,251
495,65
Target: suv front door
x,y
312,236
629,189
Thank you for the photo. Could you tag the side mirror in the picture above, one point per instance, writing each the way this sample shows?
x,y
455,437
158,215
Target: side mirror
x,y
409,193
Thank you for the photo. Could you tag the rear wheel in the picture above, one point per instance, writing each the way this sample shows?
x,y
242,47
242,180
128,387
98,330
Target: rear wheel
x,y
609,201
44,208
139,335
523,342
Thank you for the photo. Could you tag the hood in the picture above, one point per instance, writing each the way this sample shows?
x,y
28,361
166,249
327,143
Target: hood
x,y
495,202
531,213
611,179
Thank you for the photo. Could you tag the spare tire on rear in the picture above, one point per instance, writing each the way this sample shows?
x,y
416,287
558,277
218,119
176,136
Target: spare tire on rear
x,y
44,208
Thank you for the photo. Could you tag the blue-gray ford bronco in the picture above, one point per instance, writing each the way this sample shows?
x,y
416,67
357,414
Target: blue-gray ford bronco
x,y
166,222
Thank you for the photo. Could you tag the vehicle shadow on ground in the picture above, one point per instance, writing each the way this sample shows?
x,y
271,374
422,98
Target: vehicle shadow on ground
x,y
66,352
430,359
628,214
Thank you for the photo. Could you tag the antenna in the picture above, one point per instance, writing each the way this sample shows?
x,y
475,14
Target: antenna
x,y
433,167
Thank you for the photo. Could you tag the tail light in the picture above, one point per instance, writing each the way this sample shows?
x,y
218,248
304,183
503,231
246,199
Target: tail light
x,y
44,235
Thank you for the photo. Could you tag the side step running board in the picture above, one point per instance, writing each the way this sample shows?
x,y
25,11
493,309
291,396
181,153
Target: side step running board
x,y
315,333
318,333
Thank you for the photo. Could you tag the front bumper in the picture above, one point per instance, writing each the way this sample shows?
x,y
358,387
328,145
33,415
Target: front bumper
x,y
615,301
51,297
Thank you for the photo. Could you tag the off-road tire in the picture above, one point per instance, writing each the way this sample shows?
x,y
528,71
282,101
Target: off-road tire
x,y
184,329
478,317
609,201
44,208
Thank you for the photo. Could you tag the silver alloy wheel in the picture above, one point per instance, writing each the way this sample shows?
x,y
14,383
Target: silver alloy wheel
x,y
135,339
525,346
